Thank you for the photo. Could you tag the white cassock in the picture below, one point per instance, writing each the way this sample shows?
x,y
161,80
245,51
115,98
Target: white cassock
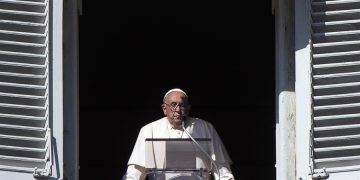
x,y
161,128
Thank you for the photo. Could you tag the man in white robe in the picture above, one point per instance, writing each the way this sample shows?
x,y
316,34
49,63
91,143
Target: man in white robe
x,y
176,108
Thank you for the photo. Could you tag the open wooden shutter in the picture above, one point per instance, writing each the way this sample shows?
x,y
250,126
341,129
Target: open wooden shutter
x,y
336,84
25,136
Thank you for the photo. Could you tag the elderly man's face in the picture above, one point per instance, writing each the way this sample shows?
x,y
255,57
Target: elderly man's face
x,y
176,107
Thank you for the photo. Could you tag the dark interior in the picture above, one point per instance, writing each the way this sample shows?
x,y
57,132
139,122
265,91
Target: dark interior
x,y
222,53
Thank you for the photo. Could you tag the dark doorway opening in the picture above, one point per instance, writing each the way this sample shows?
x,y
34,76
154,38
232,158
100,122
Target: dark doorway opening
x,y
220,52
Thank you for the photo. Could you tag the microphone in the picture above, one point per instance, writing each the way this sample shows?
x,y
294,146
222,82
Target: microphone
x,y
202,149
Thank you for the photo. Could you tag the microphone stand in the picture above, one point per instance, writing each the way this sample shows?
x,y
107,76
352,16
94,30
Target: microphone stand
x,y
202,149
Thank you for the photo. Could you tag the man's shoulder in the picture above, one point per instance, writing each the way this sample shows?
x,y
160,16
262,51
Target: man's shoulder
x,y
148,128
198,121
156,122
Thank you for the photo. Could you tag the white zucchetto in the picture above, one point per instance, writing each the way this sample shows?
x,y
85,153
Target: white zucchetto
x,y
174,90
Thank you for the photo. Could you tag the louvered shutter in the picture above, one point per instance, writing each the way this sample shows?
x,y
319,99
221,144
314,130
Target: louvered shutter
x,y
25,137
336,85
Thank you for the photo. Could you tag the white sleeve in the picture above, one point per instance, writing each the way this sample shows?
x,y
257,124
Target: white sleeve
x,y
225,172
135,172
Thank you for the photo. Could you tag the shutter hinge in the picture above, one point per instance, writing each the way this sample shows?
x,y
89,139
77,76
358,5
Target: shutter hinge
x,y
321,174
41,173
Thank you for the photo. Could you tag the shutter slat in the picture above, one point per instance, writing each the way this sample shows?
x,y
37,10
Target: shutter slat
x,y
23,142
322,3
26,39
29,96
23,89
336,15
335,120
336,96
319,45
23,33
345,67
320,118
335,79
21,121
336,12
325,23
21,148
336,111
23,127
327,128
23,54
325,55
24,14
23,80
336,89
23,99
338,162
331,16
336,85
335,5
338,33
42,45
23,111
28,27
21,138
347,46
21,64
22,153
23,85
22,162
30,2
22,132
335,99
336,75
20,117
336,59
22,159
341,151
42,25
334,131
23,69
336,36
337,141
337,132
25,6
32,76
335,26
337,106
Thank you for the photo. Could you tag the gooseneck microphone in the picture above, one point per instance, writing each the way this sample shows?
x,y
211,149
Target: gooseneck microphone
x,y
201,148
